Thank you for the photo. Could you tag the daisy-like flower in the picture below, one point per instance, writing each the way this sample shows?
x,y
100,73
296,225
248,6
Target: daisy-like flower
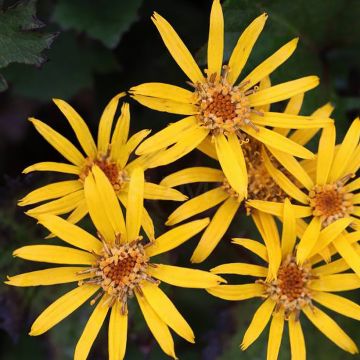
x,y
329,196
261,185
222,110
290,287
111,154
114,267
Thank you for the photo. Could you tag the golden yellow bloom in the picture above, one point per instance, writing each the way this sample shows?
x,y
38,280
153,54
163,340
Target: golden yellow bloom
x,y
113,269
261,185
327,196
290,286
111,154
222,112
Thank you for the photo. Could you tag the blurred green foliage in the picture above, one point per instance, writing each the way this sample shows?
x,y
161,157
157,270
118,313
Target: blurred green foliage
x,y
105,47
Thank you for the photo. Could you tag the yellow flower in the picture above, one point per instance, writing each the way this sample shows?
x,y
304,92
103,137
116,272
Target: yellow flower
x,y
221,113
290,286
116,267
327,196
111,154
261,185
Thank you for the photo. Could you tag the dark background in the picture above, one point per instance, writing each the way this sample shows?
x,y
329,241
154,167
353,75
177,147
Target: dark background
x,y
99,48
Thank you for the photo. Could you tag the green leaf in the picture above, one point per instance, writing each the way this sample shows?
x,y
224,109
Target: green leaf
x,y
3,83
71,68
20,38
105,20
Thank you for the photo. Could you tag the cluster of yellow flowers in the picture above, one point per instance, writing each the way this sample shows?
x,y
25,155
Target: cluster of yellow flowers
x,y
230,121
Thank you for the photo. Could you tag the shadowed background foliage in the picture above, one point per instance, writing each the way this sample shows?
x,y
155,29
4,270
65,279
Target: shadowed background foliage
x,y
86,52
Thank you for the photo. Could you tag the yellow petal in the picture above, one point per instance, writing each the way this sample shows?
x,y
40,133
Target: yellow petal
x,y
177,49
275,335
70,233
303,136
288,237
354,185
164,91
184,277
353,166
165,105
160,192
78,213
158,327
283,91
79,126
252,245
148,225
175,237
241,269
333,267
308,240
130,146
166,137
193,175
96,210
51,191
53,166
91,330
237,292
59,206
215,48
277,141
244,46
230,164
118,326
197,205
106,122
325,154
283,181
208,148
297,342
54,254
330,329
345,152
264,84
167,311
293,167
108,202
271,238
337,282
59,142
134,210
216,230
270,64
338,304
121,133
190,140
277,209
293,107
59,275
288,121
61,308
258,323
348,253
330,233
237,150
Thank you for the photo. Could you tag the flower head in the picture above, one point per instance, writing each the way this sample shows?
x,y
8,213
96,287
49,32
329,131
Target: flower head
x,y
111,154
115,266
223,112
328,194
290,287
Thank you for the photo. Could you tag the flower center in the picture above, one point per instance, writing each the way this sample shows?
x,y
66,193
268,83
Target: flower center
x,y
117,177
224,108
290,289
119,270
331,201
261,185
